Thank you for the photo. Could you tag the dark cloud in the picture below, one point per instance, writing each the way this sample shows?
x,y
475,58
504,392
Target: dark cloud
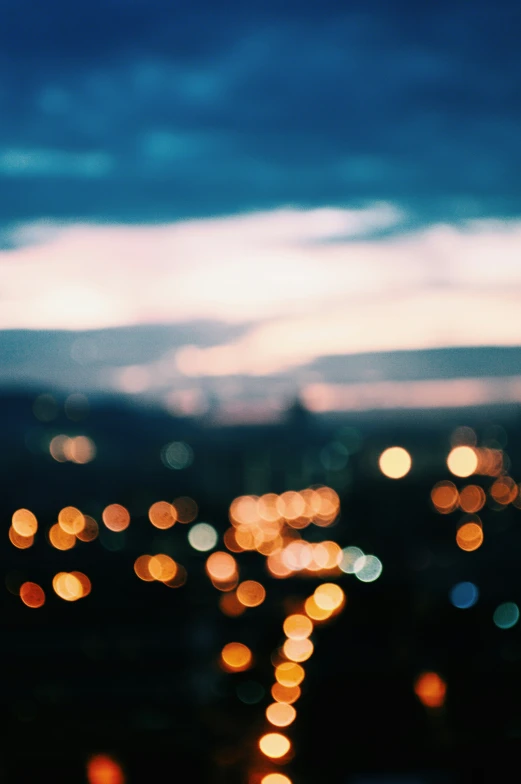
x,y
154,110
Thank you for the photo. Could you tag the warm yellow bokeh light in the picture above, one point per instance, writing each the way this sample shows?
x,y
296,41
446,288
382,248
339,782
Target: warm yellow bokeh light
x,y
250,593
274,745
329,596
297,650
116,517
315,612
395,462
162,567
275,778
71,520
67,586
297,626
280,714
221,566
462,461
24,523
162,515
32,595
236,657
289,674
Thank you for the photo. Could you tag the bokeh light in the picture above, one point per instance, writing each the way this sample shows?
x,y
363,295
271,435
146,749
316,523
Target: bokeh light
x,y
464,595
395,462
102,769
462,461
60,539
469,536
444,497
162,515
203,537
71,520
368,568
236,657
287,694
298,650
116,517
329,596
274,745
250,593
280,714
32,594
431,689
275,778
289,674
297,626
24,522
506,615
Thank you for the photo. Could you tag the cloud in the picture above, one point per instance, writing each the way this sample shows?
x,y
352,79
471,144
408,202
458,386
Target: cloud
x,y
296,284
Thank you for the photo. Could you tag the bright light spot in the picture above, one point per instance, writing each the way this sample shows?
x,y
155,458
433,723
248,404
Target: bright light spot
x,y
141,565
349,558
395,462
464,595
251,593
116,517
368,568
177,455
430,689
32,595
21,542
297,627
289,674
24,523
298,650
274,745
221,566
462,461
275,778
315,612
202,537
506,615
162,567
329,596
71,520
236,657
67,586
280,714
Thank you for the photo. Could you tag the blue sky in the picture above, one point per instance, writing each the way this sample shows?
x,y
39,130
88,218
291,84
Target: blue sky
x,y
143,111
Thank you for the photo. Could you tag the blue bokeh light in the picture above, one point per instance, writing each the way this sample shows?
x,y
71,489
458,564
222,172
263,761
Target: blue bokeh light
x,y
464,595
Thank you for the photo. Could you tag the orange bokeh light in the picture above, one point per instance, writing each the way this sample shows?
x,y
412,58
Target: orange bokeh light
x,y
116,517
24,523
430,689
472,498
280,714
444,497
21,542
32,594
274,745
221,566
297,626
251,593
90,530
287,694
71,520
298,650
102,769
462,461
236,657
162,515
60,539
289,674
469,536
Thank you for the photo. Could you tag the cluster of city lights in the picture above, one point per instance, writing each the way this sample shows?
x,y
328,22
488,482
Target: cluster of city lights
x,y
274,526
